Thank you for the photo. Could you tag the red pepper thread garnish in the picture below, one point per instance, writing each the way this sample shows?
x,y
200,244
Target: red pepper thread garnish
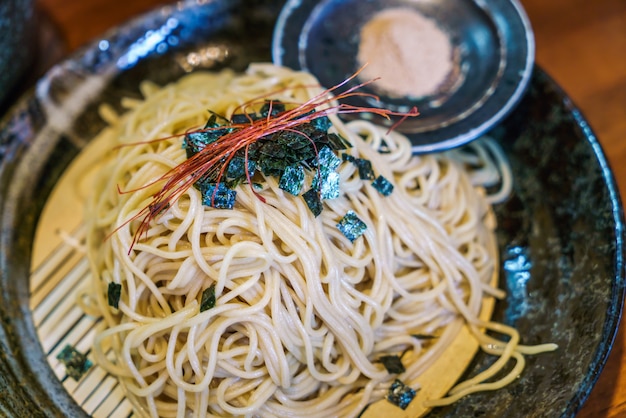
x,y
215,157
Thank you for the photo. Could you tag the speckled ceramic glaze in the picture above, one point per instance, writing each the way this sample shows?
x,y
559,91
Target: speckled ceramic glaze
x,y
561,232
17,42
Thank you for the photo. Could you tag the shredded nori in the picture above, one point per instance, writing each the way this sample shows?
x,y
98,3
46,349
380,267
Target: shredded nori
x,y
208,298
292,179
383,186
400,394
218,196
236,171
76,363
393,364
243,118
351,226
328,159
195,142
285,154
312,199
326,180
114,292
365,169
338,142
276,108
423,336
347,157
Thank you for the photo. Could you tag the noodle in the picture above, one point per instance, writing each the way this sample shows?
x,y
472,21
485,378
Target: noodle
x,y
302,314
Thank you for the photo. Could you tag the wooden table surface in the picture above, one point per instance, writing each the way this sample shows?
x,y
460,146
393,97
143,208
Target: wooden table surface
x,y
580,43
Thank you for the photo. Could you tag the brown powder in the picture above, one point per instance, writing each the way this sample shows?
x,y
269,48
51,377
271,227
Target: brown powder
x,y
408,51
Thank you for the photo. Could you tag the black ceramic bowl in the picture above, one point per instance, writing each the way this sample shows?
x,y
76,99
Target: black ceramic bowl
x,y
564,217
18,25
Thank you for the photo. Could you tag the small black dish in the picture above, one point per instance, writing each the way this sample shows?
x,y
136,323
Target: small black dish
x,y
493,53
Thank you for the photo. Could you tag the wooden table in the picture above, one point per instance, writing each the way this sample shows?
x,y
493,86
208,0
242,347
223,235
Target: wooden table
x,y
580,43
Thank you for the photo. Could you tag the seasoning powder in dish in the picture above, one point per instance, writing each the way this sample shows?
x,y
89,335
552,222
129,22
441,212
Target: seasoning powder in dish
x,y
410,53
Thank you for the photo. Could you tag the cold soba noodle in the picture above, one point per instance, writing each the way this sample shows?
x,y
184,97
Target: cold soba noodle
x,y
303,314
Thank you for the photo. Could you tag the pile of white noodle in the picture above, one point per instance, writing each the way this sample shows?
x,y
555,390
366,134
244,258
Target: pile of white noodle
x,y
302,313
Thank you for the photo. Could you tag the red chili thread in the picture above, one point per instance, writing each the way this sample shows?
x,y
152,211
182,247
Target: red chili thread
x,y
214,158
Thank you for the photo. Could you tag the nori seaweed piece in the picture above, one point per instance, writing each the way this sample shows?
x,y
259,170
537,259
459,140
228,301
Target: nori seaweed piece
x,y
322,123
400,394
338,142
347,157
423,336
313,201
383,185
236,171
393,364
326,181
222,198
212,120
365,168
351,226
114,292
276,105
76,363
208,298
241,118
195,142
308,145
327,158
292,179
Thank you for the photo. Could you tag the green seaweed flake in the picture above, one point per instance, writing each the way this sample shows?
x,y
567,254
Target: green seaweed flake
x,y
242,118
322,123
365,169
76,363
393,364
400,394
347,157
285,154
114,291
327,158
196,141
276,107
312,199
208,298
237,171
423,336
338,142
326,180
218,196
351,226
384,186
292,179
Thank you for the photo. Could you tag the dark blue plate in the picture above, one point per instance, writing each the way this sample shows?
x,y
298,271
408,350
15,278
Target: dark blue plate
x,y
563,224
